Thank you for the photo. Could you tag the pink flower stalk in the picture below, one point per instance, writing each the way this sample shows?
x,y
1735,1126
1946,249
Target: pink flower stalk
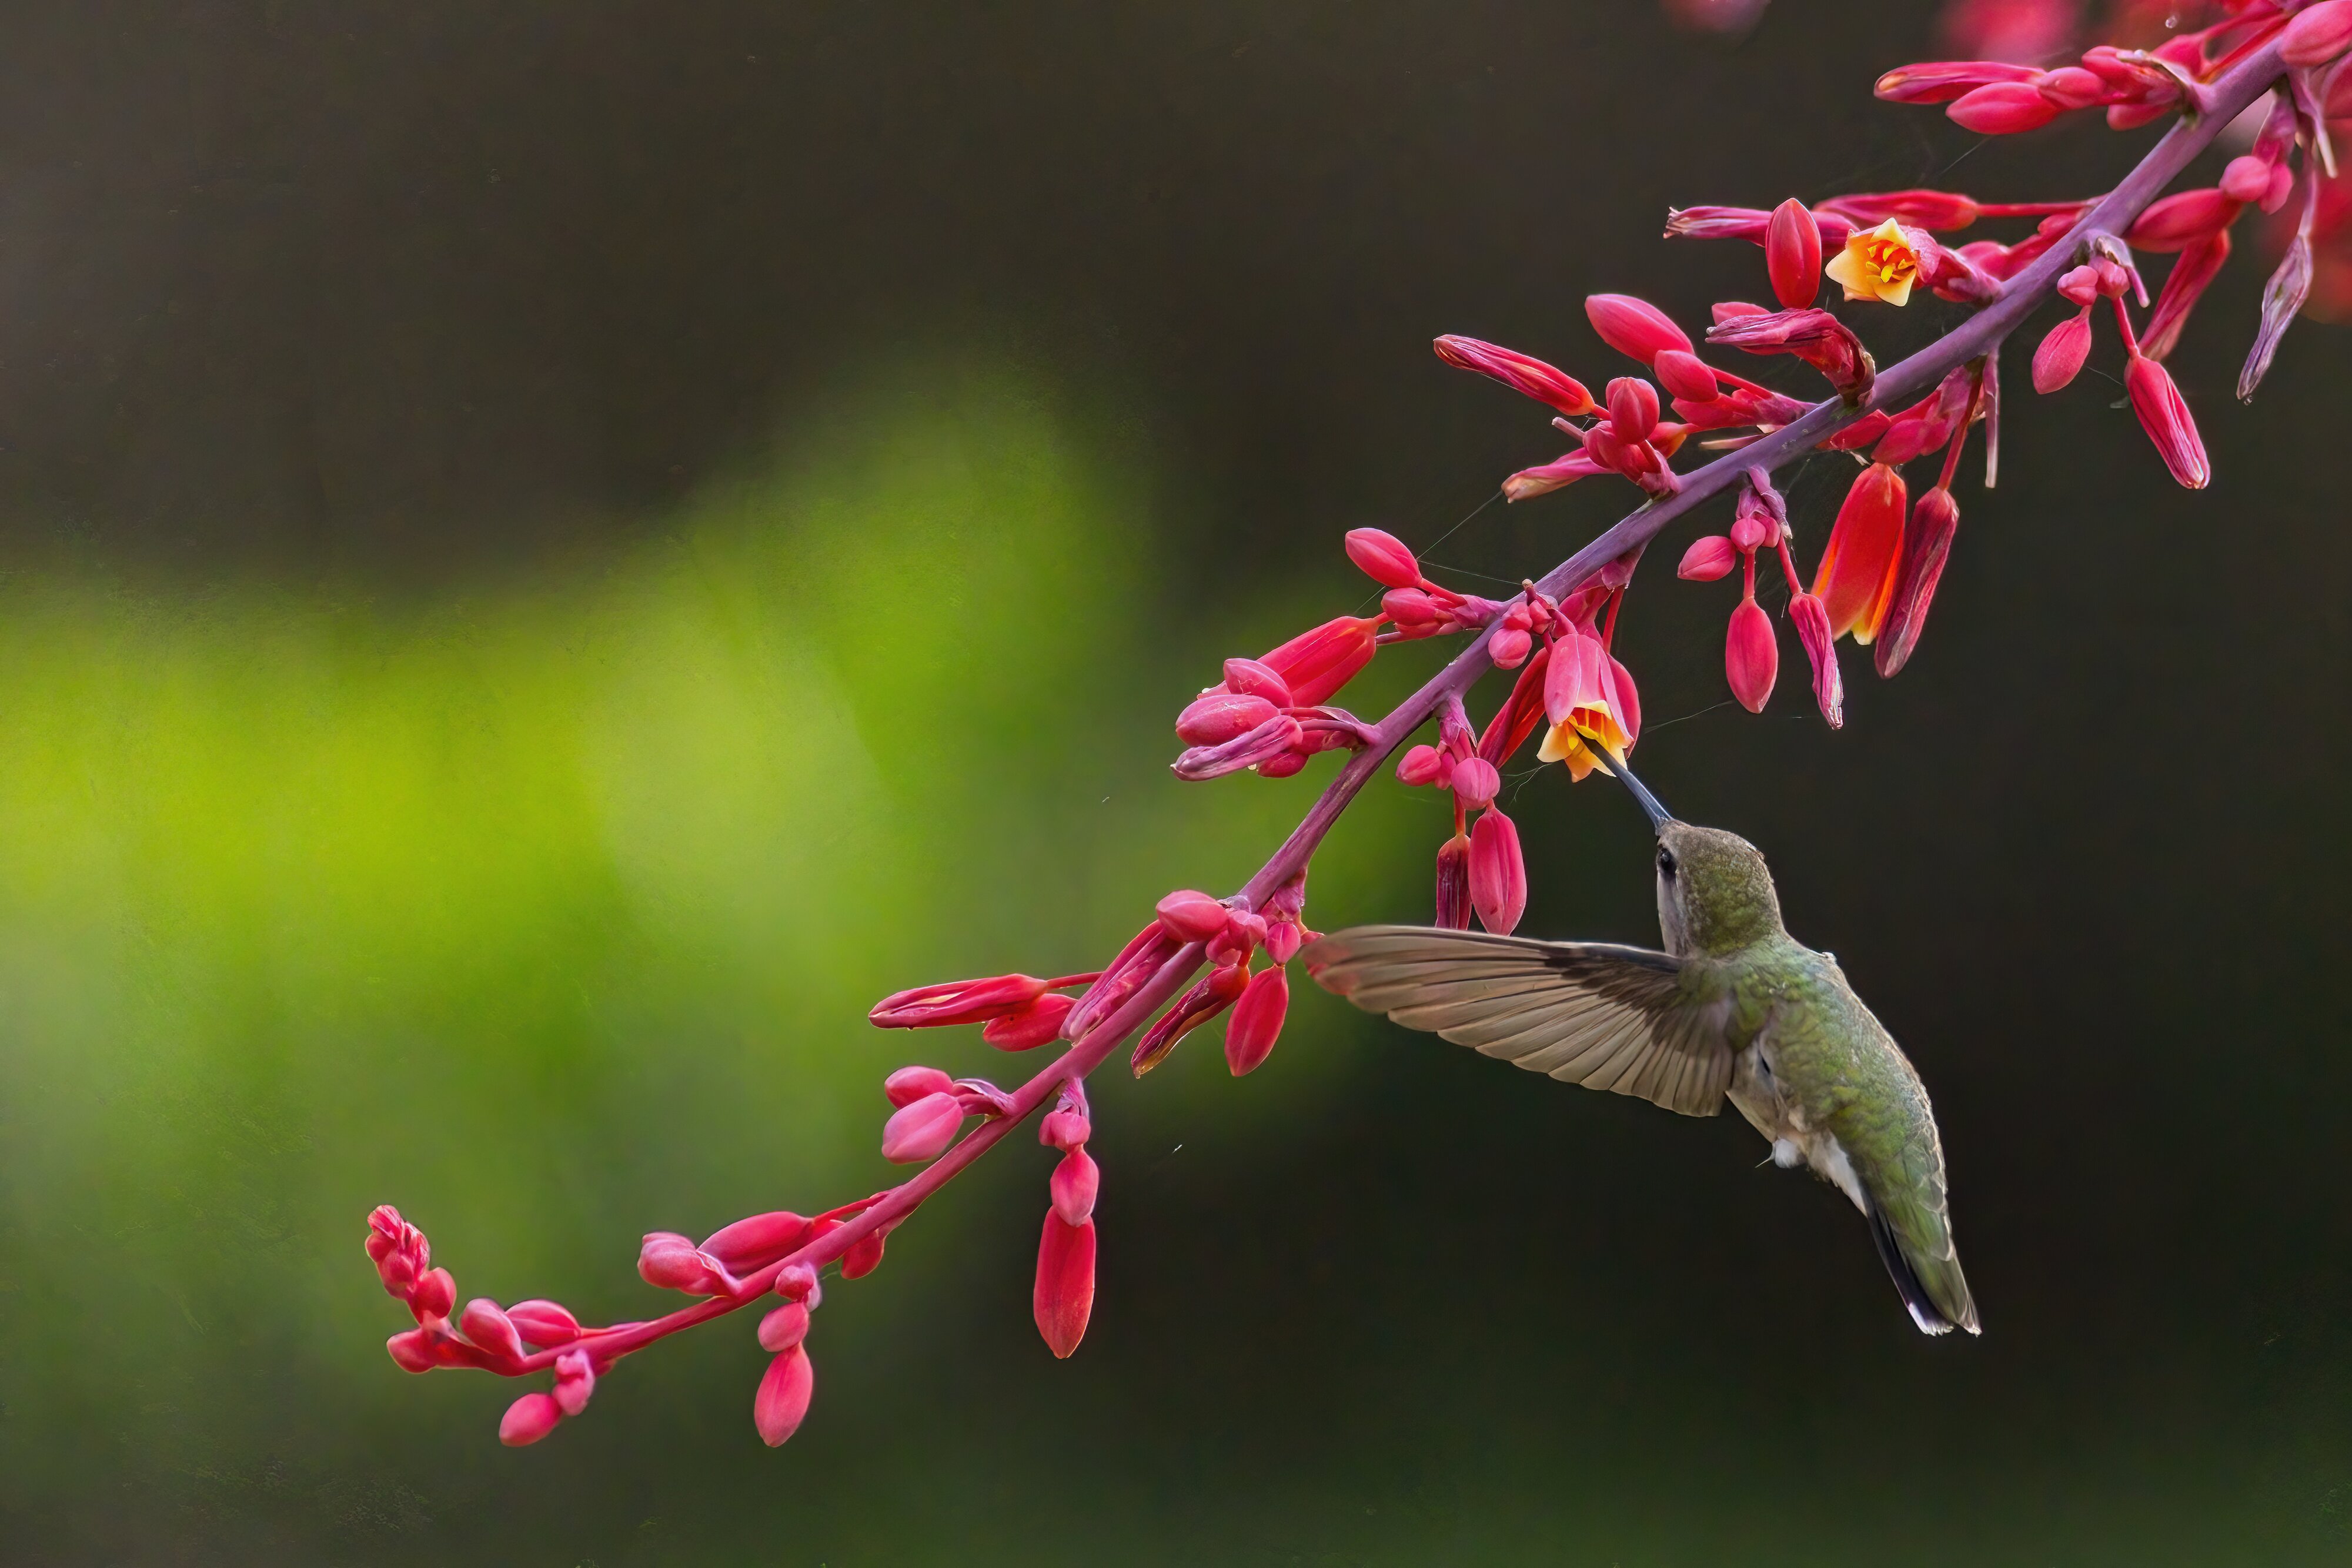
x,y
1532,378
1214,994
1064,1298
1856,572
1256,1021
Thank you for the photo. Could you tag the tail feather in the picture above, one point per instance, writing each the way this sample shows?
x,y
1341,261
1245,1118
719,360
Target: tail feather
x,y
1934,1289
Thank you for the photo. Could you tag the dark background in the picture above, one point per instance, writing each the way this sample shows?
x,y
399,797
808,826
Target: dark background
x,y
381,317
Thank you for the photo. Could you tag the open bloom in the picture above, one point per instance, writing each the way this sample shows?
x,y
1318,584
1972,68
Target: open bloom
x,y
1877,264
1589,698
1856,575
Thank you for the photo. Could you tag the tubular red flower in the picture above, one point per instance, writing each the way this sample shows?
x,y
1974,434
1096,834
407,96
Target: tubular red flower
x,y
528,1419
1517,371
1632,326
2318,34
1499,874
921,1131
1064,1296
2200,260
785,1388
1751,655
1813,624
1816,336
2164,415
2181,219
955,1002
1256,1021
1210,996
1559,474
1316,663
1857,568
1927,547
1382,558
1940,81
1454,884
2003,109
2060,357
1792,254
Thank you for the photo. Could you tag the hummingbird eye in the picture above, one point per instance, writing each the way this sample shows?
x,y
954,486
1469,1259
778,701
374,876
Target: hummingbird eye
x,y
1666,862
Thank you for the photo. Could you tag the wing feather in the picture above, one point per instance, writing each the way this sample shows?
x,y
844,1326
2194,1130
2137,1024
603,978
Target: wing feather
x,y
1609,1017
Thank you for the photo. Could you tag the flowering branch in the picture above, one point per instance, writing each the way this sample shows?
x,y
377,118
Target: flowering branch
x,y
1270,715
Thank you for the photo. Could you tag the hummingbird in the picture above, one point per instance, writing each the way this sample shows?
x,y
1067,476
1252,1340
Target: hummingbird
x,y
1733,1009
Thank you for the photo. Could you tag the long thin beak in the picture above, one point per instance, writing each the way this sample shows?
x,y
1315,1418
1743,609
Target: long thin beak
x,y
1659,815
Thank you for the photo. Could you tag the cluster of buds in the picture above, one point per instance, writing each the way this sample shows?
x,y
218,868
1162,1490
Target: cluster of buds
x,y
1064,1296
1627,436
1751,651
1268,717
1230,933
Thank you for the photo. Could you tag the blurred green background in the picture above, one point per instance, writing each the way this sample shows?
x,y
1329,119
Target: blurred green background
x,y
552,554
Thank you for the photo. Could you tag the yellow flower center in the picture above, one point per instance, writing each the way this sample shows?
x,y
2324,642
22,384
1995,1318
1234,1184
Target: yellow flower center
x,y
1877,265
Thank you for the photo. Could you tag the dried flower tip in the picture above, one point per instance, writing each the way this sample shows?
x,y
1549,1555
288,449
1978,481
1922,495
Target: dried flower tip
x,y
1634,327
1812,623
1816,336
1037,1024
1927,547
1521,374
923,1130
785,1388
1254,1026
1709,557
544,1324
2282,299
1454,884
1064,1296
1075,1182
528,1419
1793,256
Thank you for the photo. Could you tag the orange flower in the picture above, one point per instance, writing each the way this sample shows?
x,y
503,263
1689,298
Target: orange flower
x,y
1855,580
1878,264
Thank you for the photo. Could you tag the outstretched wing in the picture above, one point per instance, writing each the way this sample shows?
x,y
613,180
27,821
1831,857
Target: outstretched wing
x,y
1620,1018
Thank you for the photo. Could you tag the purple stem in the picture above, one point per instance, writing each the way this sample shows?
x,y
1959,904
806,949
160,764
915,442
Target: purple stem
x,y
1905,383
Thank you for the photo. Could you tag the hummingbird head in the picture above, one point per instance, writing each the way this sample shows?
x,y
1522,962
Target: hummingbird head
x,y
1714,892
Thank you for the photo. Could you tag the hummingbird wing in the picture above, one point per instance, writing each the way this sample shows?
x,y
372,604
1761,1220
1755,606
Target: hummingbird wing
x,y
1627,1020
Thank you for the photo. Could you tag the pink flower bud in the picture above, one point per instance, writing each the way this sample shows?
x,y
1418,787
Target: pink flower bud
x,y
782,1401
1066,1130
1425,765
1250,678
1508,648
1276,749
1192,917
1857,567
1792,254
2164,415
528,1419
490,1328
411,1349
1498,874
909,1084
1475,781
1926,548
1383,557
1064,1294
798,1282
1075,1182
2080,285
1751,655
863,1255
434,1294
1454,884
784,1328
1034,1025
1411,609
1221,717
1816,336
955,1002
1316,663
1812,623
2002,109
1684,376
1283,940
668,1262
2181,218
2246,178
575,1380
2060,357
2318,34
2072,87
1256,1024
921,1131
1210,996
1632,408
1634,327
1710,557
1531,377
1940,81
1748,532
544,1324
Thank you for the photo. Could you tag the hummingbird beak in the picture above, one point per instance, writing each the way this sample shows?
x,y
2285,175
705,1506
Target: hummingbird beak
x,y
1659,815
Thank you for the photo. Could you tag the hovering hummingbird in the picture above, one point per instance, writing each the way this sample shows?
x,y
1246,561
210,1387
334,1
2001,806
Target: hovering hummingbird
x,y
1735,1007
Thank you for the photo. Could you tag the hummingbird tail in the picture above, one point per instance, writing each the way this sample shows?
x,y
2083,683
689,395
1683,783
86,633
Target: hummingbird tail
x,y
1933,1288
